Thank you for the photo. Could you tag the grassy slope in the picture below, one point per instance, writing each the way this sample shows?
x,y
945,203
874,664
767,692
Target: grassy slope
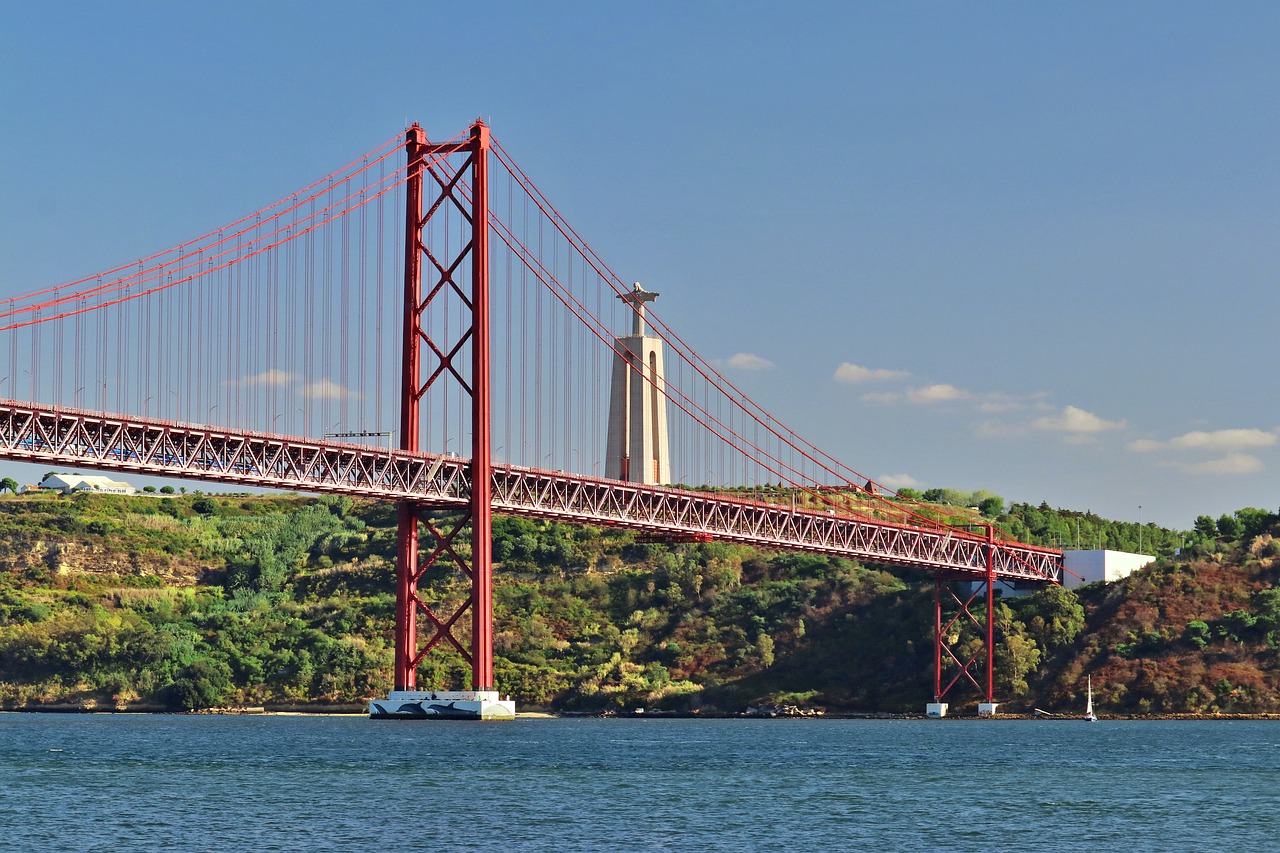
x,y
191,601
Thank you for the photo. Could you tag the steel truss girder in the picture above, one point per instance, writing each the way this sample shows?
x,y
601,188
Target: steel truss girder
x,y
119,443
122,443
564,497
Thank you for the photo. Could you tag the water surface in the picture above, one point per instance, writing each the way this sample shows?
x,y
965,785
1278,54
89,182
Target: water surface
x,y
153,783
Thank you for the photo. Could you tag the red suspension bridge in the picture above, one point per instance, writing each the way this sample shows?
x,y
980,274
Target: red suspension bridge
x,y
244,355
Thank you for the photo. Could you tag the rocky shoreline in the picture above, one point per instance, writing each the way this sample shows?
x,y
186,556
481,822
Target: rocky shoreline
x,y
754,712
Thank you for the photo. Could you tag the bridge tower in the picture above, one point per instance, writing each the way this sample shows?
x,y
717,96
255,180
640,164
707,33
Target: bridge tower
x,y
638,448
466,188
961,611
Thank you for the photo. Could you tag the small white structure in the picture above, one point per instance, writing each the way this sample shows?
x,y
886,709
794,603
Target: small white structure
x,y
1082,567
935,710
71,483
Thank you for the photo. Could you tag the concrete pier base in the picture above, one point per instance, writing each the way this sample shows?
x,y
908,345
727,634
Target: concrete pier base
x,y
442,705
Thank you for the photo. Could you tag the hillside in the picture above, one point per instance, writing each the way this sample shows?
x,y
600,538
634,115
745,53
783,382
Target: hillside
x,y
189,601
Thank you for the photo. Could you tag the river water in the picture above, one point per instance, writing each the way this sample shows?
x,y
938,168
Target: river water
x,y
226,783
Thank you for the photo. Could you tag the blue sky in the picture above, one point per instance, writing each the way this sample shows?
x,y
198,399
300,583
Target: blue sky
x,y
1025,247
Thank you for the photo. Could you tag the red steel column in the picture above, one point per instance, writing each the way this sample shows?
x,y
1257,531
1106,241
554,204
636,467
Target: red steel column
x,y
407,534
937,637
481,422
991,611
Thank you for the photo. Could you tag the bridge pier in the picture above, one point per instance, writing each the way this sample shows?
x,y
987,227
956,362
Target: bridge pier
x,y
943,651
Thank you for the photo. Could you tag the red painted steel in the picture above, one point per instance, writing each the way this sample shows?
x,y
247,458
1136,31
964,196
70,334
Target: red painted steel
x,y
991,611
481,421
942,649
937,637
985,625
473,201
406,630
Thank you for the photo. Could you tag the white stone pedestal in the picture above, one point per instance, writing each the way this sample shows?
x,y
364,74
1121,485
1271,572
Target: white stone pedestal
x,y
443,705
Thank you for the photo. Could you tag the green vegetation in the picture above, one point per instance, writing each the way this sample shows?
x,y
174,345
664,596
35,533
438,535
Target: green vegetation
x,y
193,601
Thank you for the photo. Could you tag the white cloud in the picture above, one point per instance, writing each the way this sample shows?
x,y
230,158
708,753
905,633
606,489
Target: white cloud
x,y
1077,421
1231,465
1221,441
939,393
898,481
273,378
747,361
327,389
1225,440
854,374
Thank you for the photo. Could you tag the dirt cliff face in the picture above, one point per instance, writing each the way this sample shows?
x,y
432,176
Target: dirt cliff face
x,y
62,558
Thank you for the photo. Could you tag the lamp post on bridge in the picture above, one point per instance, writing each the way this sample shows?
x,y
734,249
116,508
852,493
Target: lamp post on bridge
x,y
387,433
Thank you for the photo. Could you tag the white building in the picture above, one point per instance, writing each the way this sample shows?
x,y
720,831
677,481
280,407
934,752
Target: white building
x,y
1079,568
70,483
1082,567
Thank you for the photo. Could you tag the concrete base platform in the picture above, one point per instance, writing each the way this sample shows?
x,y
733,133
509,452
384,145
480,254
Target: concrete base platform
x,y
936,710
443,705
987,709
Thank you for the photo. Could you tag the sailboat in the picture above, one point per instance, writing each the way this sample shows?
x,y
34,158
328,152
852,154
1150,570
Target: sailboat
x,y
1089,716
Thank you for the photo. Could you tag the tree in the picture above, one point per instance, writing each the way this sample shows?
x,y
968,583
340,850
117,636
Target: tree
x,y
1229,527
764,647
1058,617
1205,527
992,506
166,490
1197,633
1253,521
8,484
204,683
205,506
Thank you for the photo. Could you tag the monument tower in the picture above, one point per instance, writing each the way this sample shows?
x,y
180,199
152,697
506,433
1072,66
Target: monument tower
x,y
638,449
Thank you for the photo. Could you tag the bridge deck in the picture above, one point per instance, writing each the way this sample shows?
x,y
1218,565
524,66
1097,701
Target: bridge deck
x,y
119,443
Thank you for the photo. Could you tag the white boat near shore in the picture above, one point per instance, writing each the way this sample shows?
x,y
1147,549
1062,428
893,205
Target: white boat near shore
x,y
1089,716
